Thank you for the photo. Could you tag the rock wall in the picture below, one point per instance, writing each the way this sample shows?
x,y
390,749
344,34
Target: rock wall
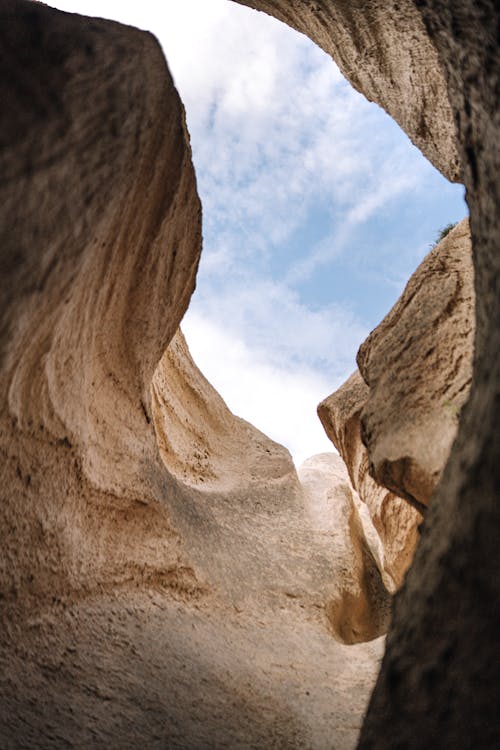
x,y
358,605
418,366
395,431
395,521
260,530
100,240
440,671
428,685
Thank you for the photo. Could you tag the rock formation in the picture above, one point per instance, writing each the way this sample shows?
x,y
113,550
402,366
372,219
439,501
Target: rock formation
x,y
394,519
418,366
358,606
276,568
300,535
101,235
117,626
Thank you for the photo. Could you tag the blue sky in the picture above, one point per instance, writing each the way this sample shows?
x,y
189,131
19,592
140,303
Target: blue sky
x,y
316,209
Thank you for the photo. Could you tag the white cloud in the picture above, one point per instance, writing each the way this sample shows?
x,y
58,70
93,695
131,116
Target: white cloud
x,y
279,401
272,358
277,132
276,324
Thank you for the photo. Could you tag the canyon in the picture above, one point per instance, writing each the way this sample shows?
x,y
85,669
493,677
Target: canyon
x,y
167,576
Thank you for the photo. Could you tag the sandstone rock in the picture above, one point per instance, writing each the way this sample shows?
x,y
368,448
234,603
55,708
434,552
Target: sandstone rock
x,y
100,240
418,365
433,660
440,670
298,535
394,519
359,608
202,444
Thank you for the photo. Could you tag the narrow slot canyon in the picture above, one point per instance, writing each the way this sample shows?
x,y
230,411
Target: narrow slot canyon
x,y
168,577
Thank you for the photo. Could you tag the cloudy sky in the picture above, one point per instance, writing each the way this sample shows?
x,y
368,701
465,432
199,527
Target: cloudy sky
x,y
316,208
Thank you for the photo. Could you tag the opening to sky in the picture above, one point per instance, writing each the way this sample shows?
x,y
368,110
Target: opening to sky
x,y
316,208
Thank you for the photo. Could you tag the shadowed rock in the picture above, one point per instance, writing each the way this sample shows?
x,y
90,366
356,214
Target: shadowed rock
x,y
100,240
394,519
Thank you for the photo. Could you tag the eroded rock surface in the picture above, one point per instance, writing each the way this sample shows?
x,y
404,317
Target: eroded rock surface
x,y
418,366
439,676
100,240
358,607
394,519
202,444
429,685
297,536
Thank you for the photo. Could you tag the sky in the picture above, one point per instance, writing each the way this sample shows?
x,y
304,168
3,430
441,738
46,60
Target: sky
x,y
316,209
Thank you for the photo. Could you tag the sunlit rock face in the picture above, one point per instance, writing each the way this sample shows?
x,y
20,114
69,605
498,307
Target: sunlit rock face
x,y
202,444
395,520
101,235
418,366
358,606
262,532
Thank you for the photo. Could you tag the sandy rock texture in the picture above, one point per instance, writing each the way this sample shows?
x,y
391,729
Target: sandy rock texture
x,y
201,442
163,580
359,609
444,669
395,520
101,235
384,51
418,366
286,534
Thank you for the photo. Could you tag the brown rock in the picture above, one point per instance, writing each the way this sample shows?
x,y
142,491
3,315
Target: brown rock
x,y
359,605
433,660
394,519
100,240
246,491
201,443
440,672
158,587
418,365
